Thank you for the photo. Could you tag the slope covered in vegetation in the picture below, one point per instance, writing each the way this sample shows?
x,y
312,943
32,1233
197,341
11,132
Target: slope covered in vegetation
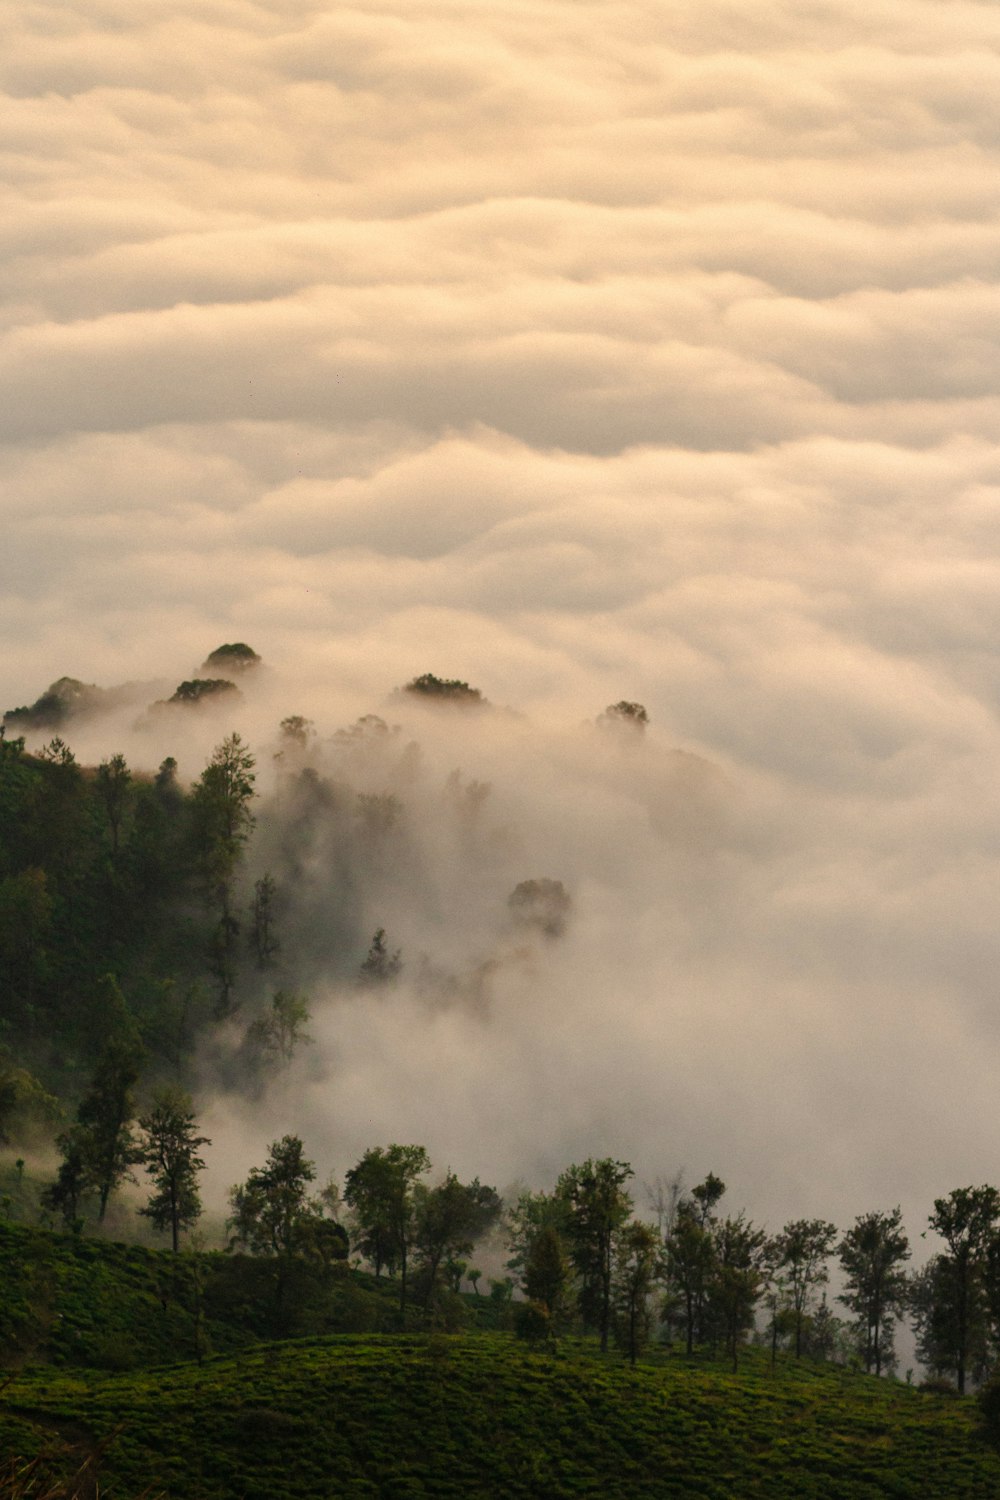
x,y
479,1415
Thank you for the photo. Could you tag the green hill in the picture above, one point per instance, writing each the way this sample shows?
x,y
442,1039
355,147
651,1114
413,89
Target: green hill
x,y
96,1325
480,1415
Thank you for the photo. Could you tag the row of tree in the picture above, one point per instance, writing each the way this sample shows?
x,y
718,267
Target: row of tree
x,y
577,1252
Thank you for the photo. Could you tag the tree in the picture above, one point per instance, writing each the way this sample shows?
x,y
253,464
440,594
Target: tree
x,y
445,690
380,1191
380,966
624,716
737,1278
802,1249
271,1209
690,1257
24,1105
168,1149
65,1195
263,940
542,904
953,1311
223,820
546,1276
106,1112
448,1220
199,690
597,1205
277,1034
638,1260
872,1255
235,657
113,780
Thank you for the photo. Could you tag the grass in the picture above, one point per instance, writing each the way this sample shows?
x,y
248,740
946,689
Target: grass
x,y
106,1400
482,1416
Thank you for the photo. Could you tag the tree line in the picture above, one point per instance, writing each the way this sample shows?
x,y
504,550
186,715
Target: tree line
x,y
577,1254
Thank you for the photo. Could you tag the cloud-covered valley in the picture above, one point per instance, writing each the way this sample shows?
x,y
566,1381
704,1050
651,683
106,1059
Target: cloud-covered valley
x,y
583,352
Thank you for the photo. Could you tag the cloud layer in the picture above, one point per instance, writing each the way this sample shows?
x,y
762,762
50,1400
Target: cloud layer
x,y
583,351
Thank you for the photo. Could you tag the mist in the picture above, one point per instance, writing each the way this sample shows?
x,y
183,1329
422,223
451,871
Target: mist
x,y
584,355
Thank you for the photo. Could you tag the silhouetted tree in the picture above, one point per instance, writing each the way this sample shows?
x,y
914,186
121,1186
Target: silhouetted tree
x,y
872,1256
380,1192
597,1205
168,1148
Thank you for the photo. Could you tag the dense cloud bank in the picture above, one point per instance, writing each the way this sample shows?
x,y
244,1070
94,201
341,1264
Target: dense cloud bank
x,y
582,352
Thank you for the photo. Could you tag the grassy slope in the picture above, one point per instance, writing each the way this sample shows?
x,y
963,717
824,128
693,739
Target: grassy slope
x,y
479,1415
371,1414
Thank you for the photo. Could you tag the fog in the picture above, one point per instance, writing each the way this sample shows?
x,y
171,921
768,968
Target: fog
x,y
584,354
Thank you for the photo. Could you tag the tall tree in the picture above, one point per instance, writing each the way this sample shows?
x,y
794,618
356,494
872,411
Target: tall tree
x,y
263,939
168,1148
638,1262
113,781
223,820
272,1208
597,1205
738,1276
872,1254
690,1258
802,1250
105,1136
951,1302
380,1191
448,1220
545,1277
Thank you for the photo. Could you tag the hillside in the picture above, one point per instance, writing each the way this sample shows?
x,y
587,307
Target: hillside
x,y
478,1415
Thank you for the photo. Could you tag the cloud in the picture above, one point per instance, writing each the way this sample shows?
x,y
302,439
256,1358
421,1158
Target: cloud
x,y
582,352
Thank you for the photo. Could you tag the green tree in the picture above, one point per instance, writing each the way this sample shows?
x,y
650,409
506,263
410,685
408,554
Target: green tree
x,y
380,1191
802,1250
113,781
272,1208
737,1279
448,1220
262,937
105,1136
690,1258
873,1253
950,1296
597,1205
277,1034
546,1277
638,1262
168,1148
65,1195
223,821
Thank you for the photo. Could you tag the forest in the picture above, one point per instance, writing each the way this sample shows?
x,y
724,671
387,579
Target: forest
x,y
159,940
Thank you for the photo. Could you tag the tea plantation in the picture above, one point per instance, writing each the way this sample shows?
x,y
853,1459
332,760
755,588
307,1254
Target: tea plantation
x,y
475,1414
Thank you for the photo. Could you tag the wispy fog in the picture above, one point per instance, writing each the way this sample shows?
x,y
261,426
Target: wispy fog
x,y
583,353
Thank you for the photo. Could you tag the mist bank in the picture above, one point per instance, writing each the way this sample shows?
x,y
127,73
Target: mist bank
x,y
785,981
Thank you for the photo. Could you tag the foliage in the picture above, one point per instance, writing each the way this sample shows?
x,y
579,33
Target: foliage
x,y
445,690
448,1220
872,1256
543,904
474,1417
950,1297
380,1191
271,1210
597,1205
276,1034
380,966
168,1149
801,1251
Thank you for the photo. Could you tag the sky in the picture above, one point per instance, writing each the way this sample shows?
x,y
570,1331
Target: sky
x,y
583,351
